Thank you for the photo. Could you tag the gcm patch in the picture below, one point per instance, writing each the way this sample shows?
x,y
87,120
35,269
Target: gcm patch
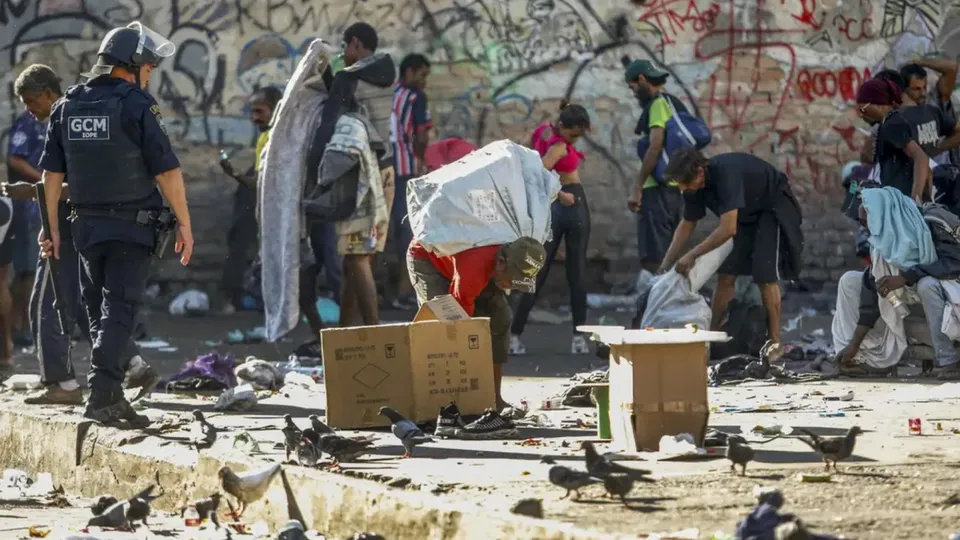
x,y
88,128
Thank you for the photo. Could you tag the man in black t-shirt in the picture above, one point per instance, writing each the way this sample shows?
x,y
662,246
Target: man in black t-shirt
x,y
756,208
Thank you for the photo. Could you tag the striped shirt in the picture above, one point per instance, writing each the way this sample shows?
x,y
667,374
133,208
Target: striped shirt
x,y
410,117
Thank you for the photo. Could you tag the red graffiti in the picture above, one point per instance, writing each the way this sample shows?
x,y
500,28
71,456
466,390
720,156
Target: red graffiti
x,y
807,15
674,17
855,30
844,83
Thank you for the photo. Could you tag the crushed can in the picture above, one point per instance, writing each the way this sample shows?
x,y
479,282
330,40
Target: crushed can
x,y
552,403
914,425
191,518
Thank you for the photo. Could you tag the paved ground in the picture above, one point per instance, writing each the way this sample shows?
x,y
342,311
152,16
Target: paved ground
x,y
892,488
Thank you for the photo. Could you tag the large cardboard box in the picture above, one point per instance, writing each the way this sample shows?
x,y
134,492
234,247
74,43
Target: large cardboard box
x,y
416,368
658,384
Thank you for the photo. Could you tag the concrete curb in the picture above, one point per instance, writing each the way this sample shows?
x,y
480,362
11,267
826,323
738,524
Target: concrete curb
x,y
91,460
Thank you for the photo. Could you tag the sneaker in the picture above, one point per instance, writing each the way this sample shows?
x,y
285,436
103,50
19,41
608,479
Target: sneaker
x,y
120,415
146,380
516,346
489,426
448,421
56,395
579,345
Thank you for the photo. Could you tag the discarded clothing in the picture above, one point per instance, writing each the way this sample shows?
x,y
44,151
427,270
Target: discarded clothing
x,y
208,372
743,367
762,522
897,228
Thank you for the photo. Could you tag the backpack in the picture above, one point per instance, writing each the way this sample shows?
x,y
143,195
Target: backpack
x,y
683,130
937,215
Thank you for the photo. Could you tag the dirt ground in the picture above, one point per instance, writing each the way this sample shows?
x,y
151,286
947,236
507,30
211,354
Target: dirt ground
x,y
892,487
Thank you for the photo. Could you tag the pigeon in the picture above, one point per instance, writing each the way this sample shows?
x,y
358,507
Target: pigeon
x,y
248,487
567,478
344,449
202,433
619,485
409,434
308,450
206,508
293,530
599,466
112,517
138,508
319,426
833,449
739,454
291,435
103,502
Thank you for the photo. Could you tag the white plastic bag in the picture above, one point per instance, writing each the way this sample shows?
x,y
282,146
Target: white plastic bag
x,y
190,302
240,398
674,300
492,196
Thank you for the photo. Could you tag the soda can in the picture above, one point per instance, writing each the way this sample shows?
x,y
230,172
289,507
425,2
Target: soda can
x,y
915,427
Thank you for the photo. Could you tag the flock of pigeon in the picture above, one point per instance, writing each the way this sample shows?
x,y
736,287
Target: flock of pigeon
x,y
309,445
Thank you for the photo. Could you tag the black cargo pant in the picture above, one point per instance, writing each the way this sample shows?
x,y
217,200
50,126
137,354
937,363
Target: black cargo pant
x,y
429,283
570,224
113,280
53,346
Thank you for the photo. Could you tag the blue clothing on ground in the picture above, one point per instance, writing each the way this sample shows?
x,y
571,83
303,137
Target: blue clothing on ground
x,y
897,228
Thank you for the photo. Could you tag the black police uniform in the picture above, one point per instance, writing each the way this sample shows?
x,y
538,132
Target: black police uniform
x,y
107,136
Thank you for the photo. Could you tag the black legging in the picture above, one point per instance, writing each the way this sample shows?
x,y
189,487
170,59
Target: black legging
x,y
573,224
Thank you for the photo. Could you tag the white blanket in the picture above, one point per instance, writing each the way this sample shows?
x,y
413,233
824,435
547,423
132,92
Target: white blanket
x,y
280,183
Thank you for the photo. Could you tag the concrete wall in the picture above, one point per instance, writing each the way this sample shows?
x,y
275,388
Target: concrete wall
x,y
775,78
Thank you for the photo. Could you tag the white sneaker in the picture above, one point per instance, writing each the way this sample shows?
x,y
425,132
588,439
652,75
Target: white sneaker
x,y
579,345
516,346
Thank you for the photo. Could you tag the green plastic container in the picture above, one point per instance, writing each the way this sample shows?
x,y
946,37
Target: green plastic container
x,y
601,395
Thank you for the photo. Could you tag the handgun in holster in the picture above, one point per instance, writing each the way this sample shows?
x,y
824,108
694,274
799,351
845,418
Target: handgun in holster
x,y
164,227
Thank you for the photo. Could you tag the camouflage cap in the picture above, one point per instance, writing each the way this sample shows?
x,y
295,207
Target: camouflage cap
x,y
525,257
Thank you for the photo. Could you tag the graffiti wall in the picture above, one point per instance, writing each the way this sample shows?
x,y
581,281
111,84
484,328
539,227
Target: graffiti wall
x,y
773,77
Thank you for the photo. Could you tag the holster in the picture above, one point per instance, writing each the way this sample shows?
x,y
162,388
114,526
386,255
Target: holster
x,y
163,222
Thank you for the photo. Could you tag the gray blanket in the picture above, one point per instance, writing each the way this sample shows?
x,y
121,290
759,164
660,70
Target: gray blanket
x,y
280,190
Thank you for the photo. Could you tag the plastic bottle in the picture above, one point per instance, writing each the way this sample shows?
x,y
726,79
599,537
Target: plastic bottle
x,y
191,518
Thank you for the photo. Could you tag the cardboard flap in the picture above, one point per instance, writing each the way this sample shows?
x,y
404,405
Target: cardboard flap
x,y
442,308
618,335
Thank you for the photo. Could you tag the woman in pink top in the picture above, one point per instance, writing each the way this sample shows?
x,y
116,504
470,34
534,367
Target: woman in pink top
x,y
570,220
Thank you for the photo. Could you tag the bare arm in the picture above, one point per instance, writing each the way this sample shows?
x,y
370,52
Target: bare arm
x,y
680,237
950,142
921,170
948,74
20,165
554,154
173,190
726,230
53,186
868,149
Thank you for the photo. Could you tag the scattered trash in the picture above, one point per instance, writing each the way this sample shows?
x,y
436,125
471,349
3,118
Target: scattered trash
x,y
600,301
208,372
677,445
153,344
814,477
190,302
832,415
923,394
552,403
191,518
22,381
686,534
240,398
39,531
914,426
772,431
298,383
244,442
259,374
329,310
843,397
312,367
254,335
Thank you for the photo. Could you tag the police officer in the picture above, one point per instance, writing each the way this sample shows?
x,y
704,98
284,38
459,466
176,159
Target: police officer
x,y
107,140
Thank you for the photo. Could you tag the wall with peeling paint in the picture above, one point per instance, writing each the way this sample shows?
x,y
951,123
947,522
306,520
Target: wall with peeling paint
x,y
771,77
